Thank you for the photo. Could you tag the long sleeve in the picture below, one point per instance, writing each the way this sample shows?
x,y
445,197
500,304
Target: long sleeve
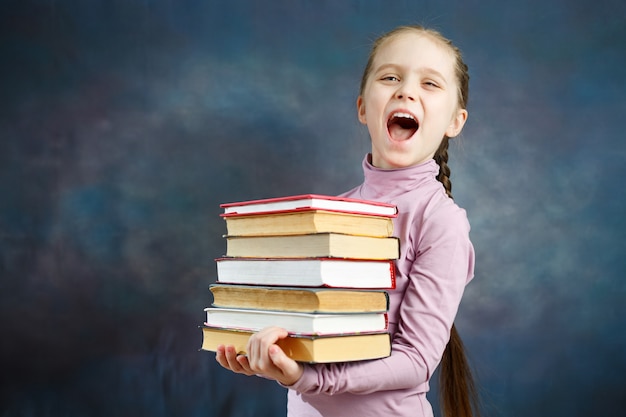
x,y
435,279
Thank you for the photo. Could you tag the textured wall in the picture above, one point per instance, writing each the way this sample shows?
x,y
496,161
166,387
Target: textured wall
x,y
124,124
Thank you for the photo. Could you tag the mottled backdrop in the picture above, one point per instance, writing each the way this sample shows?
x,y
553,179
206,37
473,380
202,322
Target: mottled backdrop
x,y
125,123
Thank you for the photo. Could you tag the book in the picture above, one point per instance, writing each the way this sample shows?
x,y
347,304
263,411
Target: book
x,y
308,272
310,202
305,300
330,245
312,349
297,323
307,222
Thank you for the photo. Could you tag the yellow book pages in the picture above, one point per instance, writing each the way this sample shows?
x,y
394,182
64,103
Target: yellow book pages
x,y
307,222
308,349
311,300
331,245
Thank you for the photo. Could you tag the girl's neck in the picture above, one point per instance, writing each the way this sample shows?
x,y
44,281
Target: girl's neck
x,y
390,183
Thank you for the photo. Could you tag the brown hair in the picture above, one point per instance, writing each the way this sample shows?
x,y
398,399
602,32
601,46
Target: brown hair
x,y
458,394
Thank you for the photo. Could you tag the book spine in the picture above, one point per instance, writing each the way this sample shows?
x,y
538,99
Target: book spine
x,y
392,273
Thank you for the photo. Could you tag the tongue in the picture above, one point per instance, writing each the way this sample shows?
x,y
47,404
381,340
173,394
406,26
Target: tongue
x,y
398,132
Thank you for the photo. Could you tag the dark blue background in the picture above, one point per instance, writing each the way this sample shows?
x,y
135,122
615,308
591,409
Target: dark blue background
x,y
125,123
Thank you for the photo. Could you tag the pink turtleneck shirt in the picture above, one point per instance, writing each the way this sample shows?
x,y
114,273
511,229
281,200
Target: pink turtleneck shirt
x,y
435,264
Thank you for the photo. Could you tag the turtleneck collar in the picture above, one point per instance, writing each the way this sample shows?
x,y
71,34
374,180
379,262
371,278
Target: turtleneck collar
x,y
390,183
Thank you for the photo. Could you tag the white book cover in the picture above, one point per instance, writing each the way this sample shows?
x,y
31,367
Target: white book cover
x,y
297,323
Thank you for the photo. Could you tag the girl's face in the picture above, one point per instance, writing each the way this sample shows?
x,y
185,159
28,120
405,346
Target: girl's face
x,y
410,100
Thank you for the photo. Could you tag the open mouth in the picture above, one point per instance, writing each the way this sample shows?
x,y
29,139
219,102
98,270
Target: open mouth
x,y
401,126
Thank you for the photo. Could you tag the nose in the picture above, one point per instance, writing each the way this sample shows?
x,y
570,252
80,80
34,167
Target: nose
x,y
406,92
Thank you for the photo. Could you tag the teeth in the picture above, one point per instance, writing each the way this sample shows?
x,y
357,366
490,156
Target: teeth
x,y
403,115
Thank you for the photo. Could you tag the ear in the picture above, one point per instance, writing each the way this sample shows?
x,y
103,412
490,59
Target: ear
x,y
360,105
457,123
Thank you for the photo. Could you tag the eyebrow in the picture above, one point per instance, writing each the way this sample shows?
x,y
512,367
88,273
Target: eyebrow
x,y
425,70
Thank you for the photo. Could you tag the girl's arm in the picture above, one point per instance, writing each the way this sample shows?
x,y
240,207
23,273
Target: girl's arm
x,y
437,278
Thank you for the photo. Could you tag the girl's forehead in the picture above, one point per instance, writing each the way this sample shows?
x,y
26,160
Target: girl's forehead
x,y
415,48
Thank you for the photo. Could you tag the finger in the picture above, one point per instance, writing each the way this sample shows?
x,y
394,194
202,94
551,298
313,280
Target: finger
x,y
220,356
262,340
258,346
245,365
233,362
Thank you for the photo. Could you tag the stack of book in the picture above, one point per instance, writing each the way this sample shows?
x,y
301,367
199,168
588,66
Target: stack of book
x,y
317,266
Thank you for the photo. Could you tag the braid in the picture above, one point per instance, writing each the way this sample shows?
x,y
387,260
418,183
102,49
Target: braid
x,y
441,157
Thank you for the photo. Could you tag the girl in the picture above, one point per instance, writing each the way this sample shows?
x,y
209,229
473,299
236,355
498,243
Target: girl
x,y
412,99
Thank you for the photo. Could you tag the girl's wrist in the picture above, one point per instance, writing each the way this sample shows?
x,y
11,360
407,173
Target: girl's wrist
x,y
294,378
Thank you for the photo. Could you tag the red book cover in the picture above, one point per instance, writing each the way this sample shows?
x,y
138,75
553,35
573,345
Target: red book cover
x,y
307,202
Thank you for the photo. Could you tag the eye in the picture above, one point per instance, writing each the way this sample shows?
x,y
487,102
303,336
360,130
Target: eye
x,y
391,78
431,84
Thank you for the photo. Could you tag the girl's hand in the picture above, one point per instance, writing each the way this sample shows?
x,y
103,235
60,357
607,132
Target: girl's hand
x,y
269,360
264,358
227,357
